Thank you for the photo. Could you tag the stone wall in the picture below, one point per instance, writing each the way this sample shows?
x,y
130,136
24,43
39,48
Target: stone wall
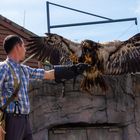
x,y
119,106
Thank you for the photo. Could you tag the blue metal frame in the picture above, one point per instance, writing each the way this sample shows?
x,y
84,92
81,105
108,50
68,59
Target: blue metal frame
x,y
107,20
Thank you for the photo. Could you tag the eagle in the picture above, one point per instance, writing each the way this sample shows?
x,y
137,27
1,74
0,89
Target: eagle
x,y
109,58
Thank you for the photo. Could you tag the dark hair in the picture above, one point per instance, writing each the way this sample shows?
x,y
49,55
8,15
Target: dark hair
x,y
10,41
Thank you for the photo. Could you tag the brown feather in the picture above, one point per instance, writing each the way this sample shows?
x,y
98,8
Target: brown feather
x,y
52,47
123,59
113,58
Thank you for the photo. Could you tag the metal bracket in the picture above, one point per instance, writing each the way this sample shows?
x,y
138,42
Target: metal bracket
x,y
107,20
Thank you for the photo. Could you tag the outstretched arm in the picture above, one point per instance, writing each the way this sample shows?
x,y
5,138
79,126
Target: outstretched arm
x,y
49,75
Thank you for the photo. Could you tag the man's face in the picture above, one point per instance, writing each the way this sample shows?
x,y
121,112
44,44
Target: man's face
x,y
21,50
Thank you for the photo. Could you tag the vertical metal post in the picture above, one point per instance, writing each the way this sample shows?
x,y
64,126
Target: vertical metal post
x,y
48,16
136,21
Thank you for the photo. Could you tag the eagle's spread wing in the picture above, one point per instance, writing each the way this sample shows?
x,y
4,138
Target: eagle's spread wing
x,y
121,57
113,58
54,48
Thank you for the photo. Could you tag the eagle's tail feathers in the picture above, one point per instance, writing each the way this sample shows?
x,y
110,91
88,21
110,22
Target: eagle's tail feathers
x,y
102,84
89,84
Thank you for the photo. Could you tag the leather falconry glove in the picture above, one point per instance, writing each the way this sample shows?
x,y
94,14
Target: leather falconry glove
x,y
66,72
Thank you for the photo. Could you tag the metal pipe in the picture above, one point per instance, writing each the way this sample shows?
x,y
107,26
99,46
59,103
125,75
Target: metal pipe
x,y
48,16
95,22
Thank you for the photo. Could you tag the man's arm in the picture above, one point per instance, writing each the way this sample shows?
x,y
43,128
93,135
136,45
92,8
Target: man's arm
x,y
49,75
3,72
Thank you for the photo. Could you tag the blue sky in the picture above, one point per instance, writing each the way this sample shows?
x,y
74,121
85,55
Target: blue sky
x,y
36,21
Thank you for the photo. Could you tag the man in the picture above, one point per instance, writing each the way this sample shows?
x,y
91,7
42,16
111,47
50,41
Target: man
x,y
17,120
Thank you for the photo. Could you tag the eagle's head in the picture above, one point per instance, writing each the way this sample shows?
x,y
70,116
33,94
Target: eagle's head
x,y
89,52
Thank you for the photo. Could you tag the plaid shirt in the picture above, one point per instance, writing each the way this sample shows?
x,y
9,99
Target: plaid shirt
x,y
24,74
